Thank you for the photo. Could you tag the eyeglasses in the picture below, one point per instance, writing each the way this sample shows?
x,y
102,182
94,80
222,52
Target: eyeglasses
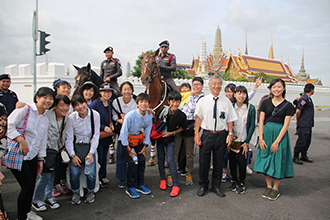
x,y
164,46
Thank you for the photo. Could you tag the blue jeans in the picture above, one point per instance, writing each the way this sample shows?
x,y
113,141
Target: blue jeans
x,y
44,186
121,164
75,174
170,160
102,151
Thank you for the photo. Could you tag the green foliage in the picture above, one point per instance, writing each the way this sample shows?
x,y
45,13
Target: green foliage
x,y
266,78
181,74
226,76
137,68
242,79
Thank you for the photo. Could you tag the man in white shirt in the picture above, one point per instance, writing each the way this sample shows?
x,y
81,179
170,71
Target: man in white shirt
x,y
215,115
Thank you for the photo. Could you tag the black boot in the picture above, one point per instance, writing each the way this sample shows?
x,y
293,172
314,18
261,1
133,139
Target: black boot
x,y
305,158
297,161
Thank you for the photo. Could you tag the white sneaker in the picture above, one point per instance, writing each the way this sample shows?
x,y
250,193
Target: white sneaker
x,y
248,170
33,216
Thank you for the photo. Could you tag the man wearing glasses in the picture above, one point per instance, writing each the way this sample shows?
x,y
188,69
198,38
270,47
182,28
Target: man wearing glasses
x,y
167,64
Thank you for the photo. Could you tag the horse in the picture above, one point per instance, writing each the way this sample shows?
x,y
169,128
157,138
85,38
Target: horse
x,y
155,86
85,74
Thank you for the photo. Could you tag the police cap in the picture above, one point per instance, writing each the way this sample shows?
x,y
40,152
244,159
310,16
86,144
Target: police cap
x,y
4,76
108,49
164,42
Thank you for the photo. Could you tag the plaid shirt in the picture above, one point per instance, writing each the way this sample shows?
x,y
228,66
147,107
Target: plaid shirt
x,y
98,106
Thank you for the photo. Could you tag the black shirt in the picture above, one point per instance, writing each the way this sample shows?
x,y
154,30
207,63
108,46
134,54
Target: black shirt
x,y
173,123
306,119
268,107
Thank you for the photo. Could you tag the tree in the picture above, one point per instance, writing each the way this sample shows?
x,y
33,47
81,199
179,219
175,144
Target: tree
x,y
265,77
180,74
137,68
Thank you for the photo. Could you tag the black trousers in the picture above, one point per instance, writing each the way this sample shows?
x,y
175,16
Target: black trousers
x,y
234,159
303,142
60,171
139,180
215,143
26,178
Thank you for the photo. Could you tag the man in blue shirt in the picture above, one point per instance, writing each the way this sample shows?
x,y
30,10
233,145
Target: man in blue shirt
x,y
305,122
7,97
134,122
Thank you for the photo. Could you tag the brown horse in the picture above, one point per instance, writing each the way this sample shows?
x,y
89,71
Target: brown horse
x,y
155,86
85,74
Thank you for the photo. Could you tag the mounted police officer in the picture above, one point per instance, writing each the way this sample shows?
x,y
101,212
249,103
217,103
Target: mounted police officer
x,y
167,64
111,68
305,122
7,97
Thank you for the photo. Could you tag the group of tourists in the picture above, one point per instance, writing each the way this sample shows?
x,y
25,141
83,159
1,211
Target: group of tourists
x,y
66,140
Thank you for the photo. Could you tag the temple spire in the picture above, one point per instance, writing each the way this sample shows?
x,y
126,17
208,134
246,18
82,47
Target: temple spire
x,y
217,50
302,67
246,49
271,52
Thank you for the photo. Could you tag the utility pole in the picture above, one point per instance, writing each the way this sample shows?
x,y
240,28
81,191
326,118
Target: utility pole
x,y
35,38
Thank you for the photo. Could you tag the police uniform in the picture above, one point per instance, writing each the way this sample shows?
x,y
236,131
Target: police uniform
x,y
111,68
214,136
9,99
304,125
167,64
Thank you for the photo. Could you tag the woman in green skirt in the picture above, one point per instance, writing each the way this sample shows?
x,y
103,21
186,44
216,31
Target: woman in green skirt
x,y
274,158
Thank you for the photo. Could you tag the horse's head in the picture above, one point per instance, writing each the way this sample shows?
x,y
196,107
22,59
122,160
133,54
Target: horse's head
x,y
84,74
149,68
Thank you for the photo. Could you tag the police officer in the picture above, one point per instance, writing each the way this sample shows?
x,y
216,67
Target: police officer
x,y
111,68
7,97
305,122
167,64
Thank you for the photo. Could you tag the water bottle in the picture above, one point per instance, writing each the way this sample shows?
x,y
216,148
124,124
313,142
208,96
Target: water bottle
x,y
88,167
135,158
249,156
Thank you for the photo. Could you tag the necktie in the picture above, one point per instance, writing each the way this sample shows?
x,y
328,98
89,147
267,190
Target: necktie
x,y
215,112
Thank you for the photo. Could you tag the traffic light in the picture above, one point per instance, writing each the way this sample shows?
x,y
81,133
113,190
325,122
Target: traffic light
x,y
43,42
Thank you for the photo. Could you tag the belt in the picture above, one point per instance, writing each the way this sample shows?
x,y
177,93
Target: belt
x,y
215,132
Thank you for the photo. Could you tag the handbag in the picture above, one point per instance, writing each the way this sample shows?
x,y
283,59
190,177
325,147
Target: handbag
x,y
117,125
104,134
157,130
135,140
14,159
82,149
50,160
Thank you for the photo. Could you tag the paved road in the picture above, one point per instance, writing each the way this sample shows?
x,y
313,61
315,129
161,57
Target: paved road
x,y
306,196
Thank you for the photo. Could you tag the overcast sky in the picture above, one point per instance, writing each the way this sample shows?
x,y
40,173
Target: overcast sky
x,y
80,30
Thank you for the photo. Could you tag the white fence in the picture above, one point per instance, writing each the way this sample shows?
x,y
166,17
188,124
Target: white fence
x,y
22,83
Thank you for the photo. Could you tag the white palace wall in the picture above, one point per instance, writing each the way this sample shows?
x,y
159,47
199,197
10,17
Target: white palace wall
x,y
22,83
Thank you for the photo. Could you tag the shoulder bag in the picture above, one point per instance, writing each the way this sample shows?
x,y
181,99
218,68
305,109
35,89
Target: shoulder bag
x,y
104,134
14,159
117,125
82,149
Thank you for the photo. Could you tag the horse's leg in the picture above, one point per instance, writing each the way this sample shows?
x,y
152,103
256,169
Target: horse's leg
x,y
153,152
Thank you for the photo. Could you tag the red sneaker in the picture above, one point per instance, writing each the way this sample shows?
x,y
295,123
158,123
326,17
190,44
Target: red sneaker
x,y
162,185
56,193
175,191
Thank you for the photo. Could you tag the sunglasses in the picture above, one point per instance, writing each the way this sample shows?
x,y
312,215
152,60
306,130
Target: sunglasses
x,y
164,46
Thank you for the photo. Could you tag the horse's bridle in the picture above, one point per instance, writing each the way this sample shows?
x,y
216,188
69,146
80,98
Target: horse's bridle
x,y
154,72
86,79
